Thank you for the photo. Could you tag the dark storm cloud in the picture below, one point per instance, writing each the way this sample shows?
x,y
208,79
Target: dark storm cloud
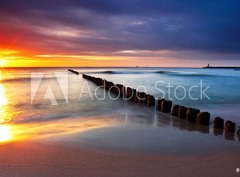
x,y
75,26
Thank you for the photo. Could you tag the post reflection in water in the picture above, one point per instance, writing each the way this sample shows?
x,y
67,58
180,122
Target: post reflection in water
x,y
3,99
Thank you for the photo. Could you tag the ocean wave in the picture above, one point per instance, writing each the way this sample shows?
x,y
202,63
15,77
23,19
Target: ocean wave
x,y
22,79
60,116
117,72
130,72
163,72
15,79
179,73
43,118
194,75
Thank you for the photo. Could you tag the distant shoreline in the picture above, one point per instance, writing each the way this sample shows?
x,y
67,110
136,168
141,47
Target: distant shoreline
x,y
122,67
222,67
96,67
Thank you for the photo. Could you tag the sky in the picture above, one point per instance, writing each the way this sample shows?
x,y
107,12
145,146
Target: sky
x,y
165,33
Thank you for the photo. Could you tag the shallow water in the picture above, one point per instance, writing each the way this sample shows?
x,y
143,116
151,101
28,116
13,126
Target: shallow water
x,y
149,131
144,128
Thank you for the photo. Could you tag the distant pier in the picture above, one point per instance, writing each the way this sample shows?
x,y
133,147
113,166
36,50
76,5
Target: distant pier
x,y
222,67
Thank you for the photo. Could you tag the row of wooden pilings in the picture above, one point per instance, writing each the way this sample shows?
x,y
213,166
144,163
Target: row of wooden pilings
x,y
189,114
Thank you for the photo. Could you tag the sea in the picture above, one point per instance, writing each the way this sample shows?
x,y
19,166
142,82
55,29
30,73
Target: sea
x,y
55,105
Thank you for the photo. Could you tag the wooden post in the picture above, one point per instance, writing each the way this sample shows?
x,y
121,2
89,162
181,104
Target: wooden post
x,y
166,106
175,110
191,114
203,118
182,112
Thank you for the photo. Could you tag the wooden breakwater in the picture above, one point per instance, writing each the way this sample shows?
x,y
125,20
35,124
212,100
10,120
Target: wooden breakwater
x,y
189,114
73,71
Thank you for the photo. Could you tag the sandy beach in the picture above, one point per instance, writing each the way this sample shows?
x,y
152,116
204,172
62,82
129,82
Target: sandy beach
x,y
25,159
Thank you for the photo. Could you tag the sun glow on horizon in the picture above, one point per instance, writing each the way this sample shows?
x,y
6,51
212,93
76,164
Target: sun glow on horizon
x,y
121,58
2,62
5,133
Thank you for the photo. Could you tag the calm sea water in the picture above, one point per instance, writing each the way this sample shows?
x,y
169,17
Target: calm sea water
x,y
43,96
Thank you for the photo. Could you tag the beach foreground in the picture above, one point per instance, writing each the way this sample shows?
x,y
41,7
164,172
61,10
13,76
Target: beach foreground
x,y
92,137
23,159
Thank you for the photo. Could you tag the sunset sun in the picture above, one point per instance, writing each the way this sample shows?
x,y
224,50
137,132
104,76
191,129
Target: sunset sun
x,y
2,63
5,133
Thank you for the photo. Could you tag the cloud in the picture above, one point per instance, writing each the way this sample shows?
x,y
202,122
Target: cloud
x,y
95,27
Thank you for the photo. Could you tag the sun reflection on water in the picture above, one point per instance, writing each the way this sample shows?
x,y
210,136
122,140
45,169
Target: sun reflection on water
x,y
4,112
0,74
33,131
3,98
11,131
5,130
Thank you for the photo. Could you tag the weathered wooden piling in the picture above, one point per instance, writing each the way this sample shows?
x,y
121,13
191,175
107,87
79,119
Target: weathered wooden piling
x,y
114,89
109,85
203,118
230,127
159,104
98,81
73,71
144,98
218,126
175,109
150,100
121,89
104,83
141,97
238,133
182,112
137,97
124,91
129,93
134,95
166,106
191,114
218,123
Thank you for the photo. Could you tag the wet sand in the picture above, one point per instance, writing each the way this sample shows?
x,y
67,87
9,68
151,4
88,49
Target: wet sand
x,y
126,145
33,159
